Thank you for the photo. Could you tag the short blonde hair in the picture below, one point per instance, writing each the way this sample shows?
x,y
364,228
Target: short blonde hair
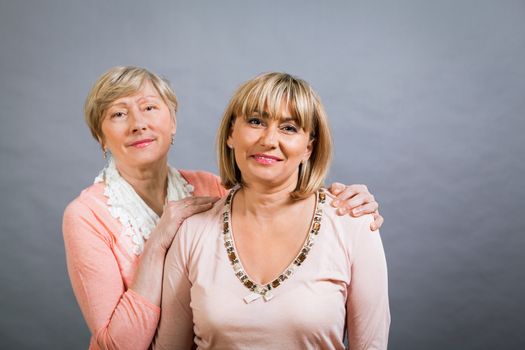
x,y
120,82
265,94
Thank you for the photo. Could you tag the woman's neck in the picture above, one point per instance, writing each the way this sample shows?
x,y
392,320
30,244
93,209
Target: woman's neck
x,y
265,202
150,182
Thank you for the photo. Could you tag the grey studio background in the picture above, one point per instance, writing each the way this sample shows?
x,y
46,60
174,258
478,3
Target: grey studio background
x,y
426,101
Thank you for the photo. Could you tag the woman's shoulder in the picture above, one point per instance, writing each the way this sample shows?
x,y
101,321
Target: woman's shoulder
x,y
88,216
199,230
349,224
91,198
207,218
204,183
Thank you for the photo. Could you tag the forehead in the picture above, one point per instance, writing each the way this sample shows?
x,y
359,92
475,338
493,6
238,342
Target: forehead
x,y
282,114
281,111
145,91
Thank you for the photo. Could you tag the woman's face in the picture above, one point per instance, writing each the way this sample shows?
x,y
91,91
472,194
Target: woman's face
x,y
269,151
137,129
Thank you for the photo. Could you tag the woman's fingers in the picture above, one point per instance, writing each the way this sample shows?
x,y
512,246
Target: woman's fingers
x,y
336,188
189,201
352,203
366,208
352,191
378,221
202,200
197,208
182,209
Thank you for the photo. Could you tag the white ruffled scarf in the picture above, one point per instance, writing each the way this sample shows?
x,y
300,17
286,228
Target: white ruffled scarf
x,y
125,205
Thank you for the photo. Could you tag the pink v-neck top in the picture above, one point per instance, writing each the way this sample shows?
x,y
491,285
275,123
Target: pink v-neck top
x,y
341,283
101,266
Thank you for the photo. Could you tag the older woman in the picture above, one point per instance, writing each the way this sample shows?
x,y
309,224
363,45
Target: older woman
x,y
118,230
272,266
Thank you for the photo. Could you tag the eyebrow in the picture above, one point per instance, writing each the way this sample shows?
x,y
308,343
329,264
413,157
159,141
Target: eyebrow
x,y
149,97
117,104
288,118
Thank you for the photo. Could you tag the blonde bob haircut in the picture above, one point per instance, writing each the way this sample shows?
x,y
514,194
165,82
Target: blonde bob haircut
x,y
120,82
267,94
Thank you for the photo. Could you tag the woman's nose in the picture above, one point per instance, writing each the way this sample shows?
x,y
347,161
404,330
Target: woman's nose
x,y
269,137
138,121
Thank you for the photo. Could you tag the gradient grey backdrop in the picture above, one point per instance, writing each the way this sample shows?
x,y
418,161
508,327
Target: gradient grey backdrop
x,y
426,101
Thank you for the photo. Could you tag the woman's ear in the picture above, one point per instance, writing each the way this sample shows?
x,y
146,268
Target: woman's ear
x,y
309,149
229,141
173,124
101,142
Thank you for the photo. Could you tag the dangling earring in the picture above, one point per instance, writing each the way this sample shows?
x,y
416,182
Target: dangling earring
x,y
104,153
172,139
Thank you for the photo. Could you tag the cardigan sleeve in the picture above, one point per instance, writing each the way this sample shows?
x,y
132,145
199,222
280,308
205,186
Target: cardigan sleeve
x,y
205,184
368,314
117,318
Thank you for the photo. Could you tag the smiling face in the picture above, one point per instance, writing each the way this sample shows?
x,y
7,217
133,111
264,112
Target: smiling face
x,y
268,151
272,123
137,129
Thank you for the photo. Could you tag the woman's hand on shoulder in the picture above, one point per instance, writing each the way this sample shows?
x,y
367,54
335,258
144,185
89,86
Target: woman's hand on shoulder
x,y
175,212
356,200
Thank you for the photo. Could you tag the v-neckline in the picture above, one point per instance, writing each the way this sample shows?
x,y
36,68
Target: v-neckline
x,y
265,290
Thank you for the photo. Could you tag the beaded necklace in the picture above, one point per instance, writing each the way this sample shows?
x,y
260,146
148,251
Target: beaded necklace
x,y
265,291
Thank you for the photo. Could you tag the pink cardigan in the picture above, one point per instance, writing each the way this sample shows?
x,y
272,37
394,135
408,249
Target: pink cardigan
x,y
101,267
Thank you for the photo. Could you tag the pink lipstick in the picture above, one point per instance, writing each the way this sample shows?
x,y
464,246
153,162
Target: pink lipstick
x,y
265,159
141,143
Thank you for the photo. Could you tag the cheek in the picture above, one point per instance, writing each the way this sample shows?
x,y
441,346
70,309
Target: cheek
x,y
114,134
239,138
166,124
298,147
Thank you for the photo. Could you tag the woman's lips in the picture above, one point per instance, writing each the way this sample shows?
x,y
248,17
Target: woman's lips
x,y
265,159
141,143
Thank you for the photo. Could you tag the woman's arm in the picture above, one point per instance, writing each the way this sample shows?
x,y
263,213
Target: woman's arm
x,y
175,329
117,319
120,318
367,308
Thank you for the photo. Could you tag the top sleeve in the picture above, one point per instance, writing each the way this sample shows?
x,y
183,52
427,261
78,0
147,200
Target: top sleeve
x,y
368,313
205,184
176,323
117,318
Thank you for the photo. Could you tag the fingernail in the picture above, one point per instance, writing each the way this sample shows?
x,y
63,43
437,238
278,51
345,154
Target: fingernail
x,y
341,211
336,203
373,227
356,211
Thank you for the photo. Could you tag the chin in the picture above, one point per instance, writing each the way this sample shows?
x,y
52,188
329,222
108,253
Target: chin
x,y
148,158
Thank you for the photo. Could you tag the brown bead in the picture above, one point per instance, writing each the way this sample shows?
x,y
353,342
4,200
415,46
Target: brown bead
x,y
316,226
232,256
276,284
248,284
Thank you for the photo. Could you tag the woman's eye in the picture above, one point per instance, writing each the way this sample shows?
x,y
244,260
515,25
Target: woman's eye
x,y
150,108
289,128
118,115
254,121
